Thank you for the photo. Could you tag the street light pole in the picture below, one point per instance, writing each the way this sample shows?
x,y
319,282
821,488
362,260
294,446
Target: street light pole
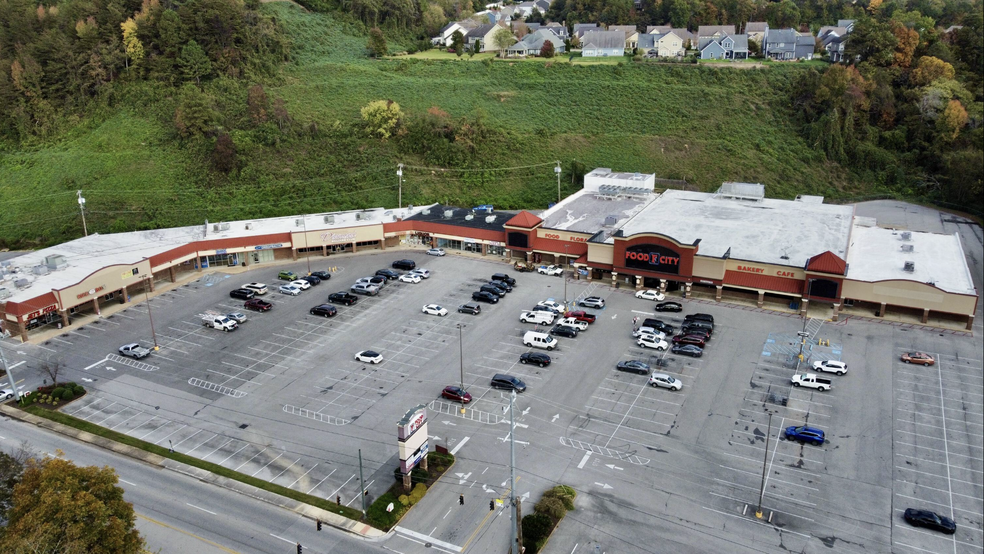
x,y
399,175
557,171
149,314
10,374
514,546
566,263
461,364
758,511
82,209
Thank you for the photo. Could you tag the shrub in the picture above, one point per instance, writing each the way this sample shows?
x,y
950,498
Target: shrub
x,y
404,499
378,517
552,507
79,390
58,392
417,493
563,493
536,527
68,395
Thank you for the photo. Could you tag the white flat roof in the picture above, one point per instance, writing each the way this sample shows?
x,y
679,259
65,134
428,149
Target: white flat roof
x,y
87,255
876,255
783,232
585,211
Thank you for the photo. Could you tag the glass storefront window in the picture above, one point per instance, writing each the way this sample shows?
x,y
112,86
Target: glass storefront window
x,y
449,244
496,250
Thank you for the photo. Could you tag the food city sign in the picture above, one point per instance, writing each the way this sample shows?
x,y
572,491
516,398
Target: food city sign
x,y
762,270
652,257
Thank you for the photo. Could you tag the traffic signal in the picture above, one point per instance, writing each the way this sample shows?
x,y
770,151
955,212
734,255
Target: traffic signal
x,y
319,525
299,548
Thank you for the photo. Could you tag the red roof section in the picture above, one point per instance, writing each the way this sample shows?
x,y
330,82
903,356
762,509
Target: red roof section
x,y
763,282
828,262
525,220
557,246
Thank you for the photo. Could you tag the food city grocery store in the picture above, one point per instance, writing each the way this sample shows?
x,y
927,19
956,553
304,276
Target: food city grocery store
x,y
618,230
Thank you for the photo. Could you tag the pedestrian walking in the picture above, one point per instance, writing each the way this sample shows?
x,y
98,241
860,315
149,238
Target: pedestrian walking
x,y
461,500
635,321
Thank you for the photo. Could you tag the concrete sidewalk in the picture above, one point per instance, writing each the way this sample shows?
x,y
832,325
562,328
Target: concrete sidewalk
x,y
357,528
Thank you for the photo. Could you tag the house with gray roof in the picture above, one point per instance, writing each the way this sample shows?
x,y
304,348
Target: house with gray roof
x,y
599,44
724,47
756,30
847,24
832,40
685,35
787,44
581,28
533,43
708,31
483,34
631,34
558,29
444,37
541,6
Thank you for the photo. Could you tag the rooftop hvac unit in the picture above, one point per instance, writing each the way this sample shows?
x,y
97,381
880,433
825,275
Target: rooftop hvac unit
x,y
40,270
22,283
906,235
907,248
448,214
490,219
220,227
909,266
298,222
426,212
330,219
469,217
56,261
359,216
610,221
4,293
249,226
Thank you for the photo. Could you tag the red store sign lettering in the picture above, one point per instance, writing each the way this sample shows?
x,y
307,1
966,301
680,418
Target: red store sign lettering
x,y
416,423
45,310
93,291
570,238
779,272
652,258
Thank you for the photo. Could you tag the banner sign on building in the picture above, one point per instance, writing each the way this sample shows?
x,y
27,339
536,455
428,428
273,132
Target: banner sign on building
x,y
652,257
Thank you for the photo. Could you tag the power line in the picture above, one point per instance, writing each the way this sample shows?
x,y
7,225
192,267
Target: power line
x,y
443,169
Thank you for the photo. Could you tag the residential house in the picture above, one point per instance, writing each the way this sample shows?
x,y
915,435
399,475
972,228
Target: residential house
x,y
581,28
631,35
847,24
558,29
688,38
710,31
533,42
787,44
542,6
666,45
523,10
447,32
756,31
531,27
483,33
832,40
724,47
598,44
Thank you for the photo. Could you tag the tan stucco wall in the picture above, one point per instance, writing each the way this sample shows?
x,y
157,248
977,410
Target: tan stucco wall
x,y
768,270
909,294
344,235
709,268
102,282
601,253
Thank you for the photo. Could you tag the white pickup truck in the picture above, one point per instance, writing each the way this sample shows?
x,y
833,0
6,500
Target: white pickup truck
x,y
134,350
219,322
811,380
536,316
575,323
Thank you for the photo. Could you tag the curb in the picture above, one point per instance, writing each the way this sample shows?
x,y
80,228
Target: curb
x,y
357,528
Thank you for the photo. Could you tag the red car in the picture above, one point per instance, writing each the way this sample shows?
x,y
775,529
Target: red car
x,y
695,340
581,316
456,393
257,305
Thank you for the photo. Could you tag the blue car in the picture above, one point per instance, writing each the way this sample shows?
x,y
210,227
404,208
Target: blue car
x,y
804,433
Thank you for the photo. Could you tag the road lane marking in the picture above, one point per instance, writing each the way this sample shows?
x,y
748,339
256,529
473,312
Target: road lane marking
x,y
87,368
202,509
584,460
458,446
426,538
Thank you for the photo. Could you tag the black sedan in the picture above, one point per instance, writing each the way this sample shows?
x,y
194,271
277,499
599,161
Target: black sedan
x,y
311,279
633,366
343,298
537,358
564,331
502,285
324,310
388,273
323,275
669,307
242,294
687,350
930,520
470,308
483,296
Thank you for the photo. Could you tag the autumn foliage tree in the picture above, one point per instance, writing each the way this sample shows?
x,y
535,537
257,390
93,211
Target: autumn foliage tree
x,y
381,117
59,507
547,50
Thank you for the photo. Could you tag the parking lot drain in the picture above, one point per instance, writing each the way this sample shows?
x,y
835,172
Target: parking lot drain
x,y
215,387
608,452
244,425
317,416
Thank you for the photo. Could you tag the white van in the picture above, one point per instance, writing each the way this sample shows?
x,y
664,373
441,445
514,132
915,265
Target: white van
x,y
539,340
537,317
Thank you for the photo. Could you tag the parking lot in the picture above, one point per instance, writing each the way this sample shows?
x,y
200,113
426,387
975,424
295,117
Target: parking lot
x,y
283,398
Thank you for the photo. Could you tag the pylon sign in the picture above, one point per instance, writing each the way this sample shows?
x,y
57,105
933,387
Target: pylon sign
x,y
412,437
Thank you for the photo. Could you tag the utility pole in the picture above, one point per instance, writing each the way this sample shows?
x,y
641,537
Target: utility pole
x,y
557,171
567,262
82,209
362,486
10,374
307,255
514,546
149,314
765,463
399,175
461,365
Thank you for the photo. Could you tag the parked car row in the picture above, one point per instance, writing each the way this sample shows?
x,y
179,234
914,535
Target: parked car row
x,y
497,288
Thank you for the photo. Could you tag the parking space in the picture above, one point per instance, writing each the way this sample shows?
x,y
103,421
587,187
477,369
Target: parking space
x,y
937,449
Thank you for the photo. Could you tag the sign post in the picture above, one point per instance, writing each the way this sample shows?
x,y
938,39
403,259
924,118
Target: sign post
x,y
411,434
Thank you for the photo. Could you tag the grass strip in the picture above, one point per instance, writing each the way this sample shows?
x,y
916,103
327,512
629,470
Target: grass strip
x,y
121,438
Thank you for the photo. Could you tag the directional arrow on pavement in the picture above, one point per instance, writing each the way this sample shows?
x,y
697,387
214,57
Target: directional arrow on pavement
x,y
504,483
613,466
526,411
603,485
525,496
87,380
111,368
435,437
462,477
555,418
614,316
487,489
449,423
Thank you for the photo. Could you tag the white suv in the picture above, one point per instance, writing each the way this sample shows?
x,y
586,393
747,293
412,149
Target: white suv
x,y
650,341
258,288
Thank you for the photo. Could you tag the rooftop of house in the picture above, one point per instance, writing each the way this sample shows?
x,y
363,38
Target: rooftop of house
x,y
603,39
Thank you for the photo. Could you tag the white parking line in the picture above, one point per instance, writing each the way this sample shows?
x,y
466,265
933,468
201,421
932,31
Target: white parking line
x,y
322,481
935,475
945,450
234,453
267,464
188,437
745,501
923,500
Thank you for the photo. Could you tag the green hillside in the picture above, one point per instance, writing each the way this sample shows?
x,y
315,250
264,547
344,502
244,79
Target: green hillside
x,y
702,124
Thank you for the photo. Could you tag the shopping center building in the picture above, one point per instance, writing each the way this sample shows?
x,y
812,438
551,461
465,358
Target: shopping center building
x,y
619,230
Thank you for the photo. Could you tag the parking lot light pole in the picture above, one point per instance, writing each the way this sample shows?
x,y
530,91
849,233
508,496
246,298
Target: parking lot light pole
x,y
10,374
557,171
566,263
461,365
82,209
765,463
399,176
149,314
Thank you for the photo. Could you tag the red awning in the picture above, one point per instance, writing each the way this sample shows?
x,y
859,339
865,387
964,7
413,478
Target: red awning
x,y
767,283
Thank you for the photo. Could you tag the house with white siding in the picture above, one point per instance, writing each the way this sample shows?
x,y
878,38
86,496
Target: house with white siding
x,y
600,44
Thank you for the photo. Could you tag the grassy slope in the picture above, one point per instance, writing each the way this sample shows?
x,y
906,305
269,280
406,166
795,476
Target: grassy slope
x,y
702,124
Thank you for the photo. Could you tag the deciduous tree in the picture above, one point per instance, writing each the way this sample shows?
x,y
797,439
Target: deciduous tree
x,y
929,69
195,114
224,153
547,50
433,19
503,39
953,118
60,507
458,43
377,43
257,104
906,41
194,62
381,117
134,48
